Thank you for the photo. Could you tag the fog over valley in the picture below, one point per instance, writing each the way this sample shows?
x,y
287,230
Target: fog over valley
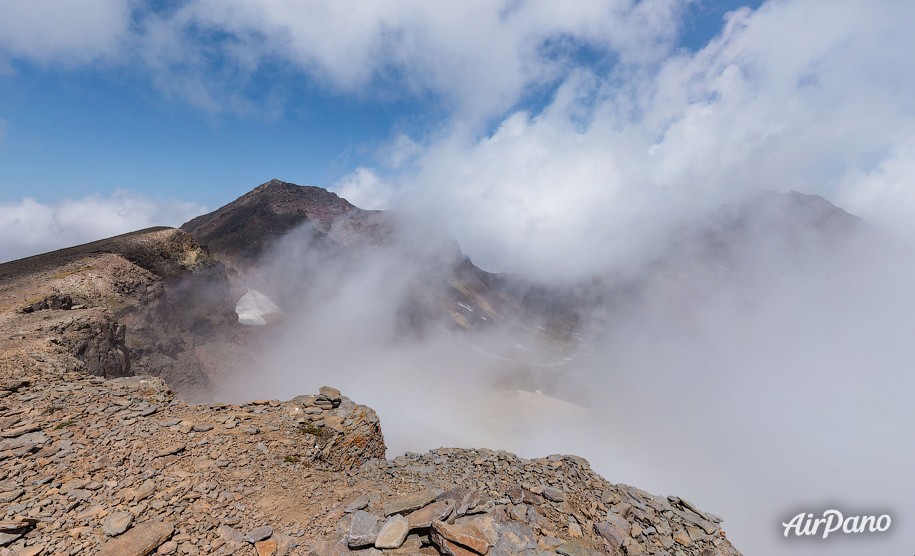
x,y
752,367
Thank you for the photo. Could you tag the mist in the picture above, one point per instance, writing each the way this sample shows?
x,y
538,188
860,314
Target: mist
x,y
770,380
758,371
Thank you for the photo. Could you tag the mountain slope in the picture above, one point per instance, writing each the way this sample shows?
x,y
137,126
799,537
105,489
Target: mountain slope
x,y
151,301
244,229
450,290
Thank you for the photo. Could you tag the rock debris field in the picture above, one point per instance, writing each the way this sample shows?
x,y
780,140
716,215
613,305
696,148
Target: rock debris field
x,y
122,467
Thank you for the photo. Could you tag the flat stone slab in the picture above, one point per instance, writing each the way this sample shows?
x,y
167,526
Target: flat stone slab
x,y
393,532
553,494
259,533
116,523
409,502
465,534
143,539
425,516
363,530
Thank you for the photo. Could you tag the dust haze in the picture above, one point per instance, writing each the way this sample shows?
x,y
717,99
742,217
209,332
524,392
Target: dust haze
x,y
758,380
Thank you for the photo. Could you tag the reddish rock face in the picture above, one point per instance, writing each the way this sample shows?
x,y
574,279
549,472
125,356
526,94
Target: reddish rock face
x,y
265,548
467,534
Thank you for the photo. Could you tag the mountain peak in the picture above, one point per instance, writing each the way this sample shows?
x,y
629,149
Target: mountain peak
x,y
287,190
244,228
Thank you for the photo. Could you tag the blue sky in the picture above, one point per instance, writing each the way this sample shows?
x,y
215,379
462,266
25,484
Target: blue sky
x,y
70,133
73,131
517,126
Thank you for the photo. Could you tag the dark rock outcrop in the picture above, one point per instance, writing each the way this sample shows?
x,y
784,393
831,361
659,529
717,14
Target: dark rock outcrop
x,y
104,350
244,229
151,301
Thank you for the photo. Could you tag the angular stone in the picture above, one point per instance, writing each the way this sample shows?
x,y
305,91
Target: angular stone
x,y
230,535
265,548
17,524
449,548
465,500
515,493
409,502
574,529
170,450
363,530
259,533
515,538
20,430
437,511
116,523
466,534
9,538
553,494
576,548
139,541
331,393
393,532
28,440
284,544
520,495
9,496
682,537
410,546
610,533
143,491
358,504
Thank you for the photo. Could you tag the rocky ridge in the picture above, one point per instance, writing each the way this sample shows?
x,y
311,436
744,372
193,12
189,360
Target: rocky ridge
x,y
123,467
148,302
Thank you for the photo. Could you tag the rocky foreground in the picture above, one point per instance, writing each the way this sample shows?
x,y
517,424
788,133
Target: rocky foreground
x,y
97,460
121,467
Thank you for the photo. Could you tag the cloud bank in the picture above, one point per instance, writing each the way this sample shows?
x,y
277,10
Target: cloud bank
x,y
29,227
62,32
756,390
477,56
771,103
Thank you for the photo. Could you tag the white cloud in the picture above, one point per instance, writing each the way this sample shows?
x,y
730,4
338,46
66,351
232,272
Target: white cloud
x,y
29,227
397,151
477,55
885,194
61,31
365,189
773,102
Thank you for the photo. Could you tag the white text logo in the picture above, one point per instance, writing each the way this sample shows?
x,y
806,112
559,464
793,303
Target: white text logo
x,y
833,521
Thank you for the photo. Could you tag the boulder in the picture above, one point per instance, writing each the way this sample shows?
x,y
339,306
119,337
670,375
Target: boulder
x,y
139,541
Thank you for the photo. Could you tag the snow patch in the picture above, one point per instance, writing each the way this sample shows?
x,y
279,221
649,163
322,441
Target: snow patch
x,y
256,309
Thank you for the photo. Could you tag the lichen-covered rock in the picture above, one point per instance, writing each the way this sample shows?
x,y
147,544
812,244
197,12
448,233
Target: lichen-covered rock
x,y
336,432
